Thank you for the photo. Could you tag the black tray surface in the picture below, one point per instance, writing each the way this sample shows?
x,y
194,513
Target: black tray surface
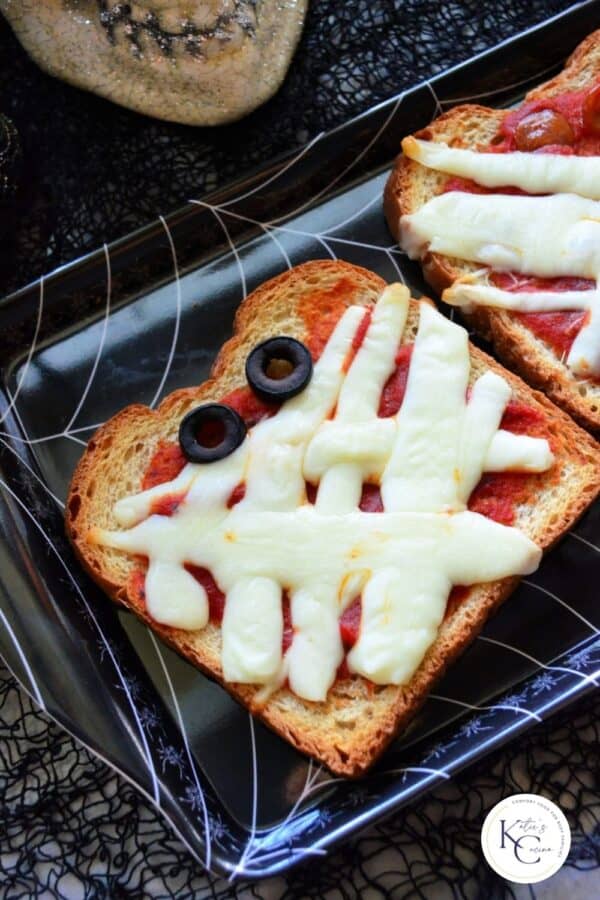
x,y
146,315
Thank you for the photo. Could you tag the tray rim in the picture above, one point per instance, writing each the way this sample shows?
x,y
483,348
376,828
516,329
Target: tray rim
x,y
143,234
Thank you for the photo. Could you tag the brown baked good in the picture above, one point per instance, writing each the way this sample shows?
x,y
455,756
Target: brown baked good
x,y
181,60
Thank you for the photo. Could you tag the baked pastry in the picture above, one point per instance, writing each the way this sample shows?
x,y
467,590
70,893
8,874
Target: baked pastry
x,y
200,62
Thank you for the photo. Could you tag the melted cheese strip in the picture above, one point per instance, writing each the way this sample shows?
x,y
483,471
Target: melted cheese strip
x,y
544,236
518,452
409,597
468,292
403,561
584,355
535,173
343,453
253,623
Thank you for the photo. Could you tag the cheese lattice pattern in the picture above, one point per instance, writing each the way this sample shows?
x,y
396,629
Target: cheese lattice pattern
x,y
403,561
547,236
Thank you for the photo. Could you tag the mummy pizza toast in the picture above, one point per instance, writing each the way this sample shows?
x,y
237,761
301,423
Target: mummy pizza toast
x,y
326,523
503,210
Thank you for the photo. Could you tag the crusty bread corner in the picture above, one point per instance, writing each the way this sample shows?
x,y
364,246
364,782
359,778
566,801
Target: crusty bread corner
x,y
358,720
410,185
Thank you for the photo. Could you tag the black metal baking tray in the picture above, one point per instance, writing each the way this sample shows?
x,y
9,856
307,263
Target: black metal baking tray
x,y
146,315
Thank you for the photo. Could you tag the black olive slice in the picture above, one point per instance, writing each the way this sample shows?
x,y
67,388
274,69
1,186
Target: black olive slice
x,y
283,353
211,432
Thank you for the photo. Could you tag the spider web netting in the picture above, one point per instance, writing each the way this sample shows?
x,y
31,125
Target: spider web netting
x,y
94,171
70,827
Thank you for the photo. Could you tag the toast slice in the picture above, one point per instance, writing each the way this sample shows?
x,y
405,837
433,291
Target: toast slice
x,y
411,185
353,726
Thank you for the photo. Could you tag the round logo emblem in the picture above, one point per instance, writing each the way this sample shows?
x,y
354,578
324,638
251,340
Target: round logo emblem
x,y
525,838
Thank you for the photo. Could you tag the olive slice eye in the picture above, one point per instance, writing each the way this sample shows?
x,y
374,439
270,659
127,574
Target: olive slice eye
x,y
279,368
211,432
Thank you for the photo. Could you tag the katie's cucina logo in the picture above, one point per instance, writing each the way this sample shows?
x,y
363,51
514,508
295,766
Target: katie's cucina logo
x,y
525,838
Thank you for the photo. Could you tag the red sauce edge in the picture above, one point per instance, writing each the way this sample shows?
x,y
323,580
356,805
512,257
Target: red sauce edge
x,y
165,465
570,105
457,595
136,587
357,340
166,506
288,628
558,329
215,596
350,624
395,387
370,499
237,495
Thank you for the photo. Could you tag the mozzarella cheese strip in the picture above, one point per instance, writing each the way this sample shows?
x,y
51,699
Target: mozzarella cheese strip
x,y
253,621
403,561
468,292
544,236
518,452
535,173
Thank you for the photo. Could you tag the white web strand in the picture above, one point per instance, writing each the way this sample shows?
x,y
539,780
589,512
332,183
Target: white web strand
x,y
583,540
175,337
15,411
394,263
58,435
145,752
426,770
114,767
220,211
268,232
453,101
323,242
482,707
546,666
39,480
548,593
325,190
439,109
289,165
30,353
190,757
355,215
92,374
232,247
247,849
